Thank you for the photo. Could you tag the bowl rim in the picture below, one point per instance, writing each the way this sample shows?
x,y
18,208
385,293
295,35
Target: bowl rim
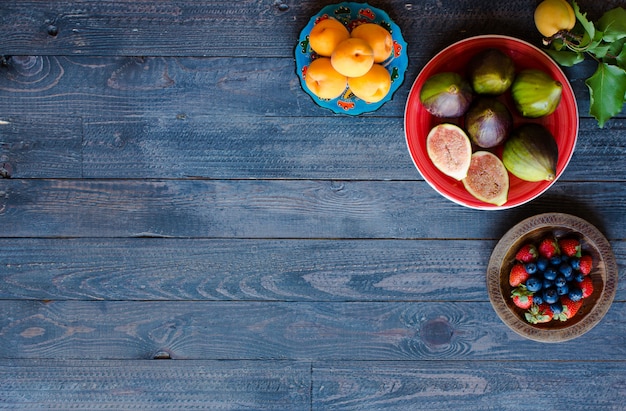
x,y
414,92
560,221
399,62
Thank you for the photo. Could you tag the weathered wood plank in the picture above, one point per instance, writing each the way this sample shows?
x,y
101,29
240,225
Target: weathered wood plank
x,y
177,87
462,385
96,87
311,331
242,147
161,384
32,147
292,270
173,88
245,270
243,28
279,209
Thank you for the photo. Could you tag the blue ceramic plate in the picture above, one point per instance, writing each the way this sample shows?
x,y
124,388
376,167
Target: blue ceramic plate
x,y
351,15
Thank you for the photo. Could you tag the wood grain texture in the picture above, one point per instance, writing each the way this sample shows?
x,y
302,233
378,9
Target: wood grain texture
x,y
462,385
304,331
151,269
241,147
177,87
41,147
159,384
242,28
173,193
279,209
280,270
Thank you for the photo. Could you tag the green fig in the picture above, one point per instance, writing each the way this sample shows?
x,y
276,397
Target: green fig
x,y
446,95
535,93
488,122
491,72
531,153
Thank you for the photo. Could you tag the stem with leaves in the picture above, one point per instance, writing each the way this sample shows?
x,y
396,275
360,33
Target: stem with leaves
x,y
604,42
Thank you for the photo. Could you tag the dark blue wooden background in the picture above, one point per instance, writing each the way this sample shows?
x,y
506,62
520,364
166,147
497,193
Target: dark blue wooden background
x,y
181,227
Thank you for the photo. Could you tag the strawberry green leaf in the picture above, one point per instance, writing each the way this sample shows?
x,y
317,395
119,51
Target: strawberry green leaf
x,y
607,88
613,24
566,58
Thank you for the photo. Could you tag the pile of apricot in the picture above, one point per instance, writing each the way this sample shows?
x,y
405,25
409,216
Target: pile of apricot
x,y
349,59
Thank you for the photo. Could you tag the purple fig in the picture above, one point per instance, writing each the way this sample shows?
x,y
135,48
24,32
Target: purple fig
x,y
488,122
446,95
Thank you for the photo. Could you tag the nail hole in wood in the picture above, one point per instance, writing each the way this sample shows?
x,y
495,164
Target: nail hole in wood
x,y
53,30
6,170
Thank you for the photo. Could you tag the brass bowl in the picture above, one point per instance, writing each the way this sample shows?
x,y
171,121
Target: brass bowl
x,y
604,276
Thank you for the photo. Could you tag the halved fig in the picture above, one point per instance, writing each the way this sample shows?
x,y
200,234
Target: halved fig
x,y
487,178
450,150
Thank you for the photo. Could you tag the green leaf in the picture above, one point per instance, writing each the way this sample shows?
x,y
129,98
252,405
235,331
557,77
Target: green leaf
x,y
600,51
566,58
613,24
607,88
590,30
557,44
614,51
621,57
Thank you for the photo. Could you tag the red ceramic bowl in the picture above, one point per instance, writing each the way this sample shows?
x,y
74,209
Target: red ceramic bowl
x,y
563,123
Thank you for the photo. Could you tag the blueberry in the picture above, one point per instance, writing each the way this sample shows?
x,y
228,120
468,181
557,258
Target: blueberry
x,y
531,268
556,308
560,281
550,296
542,263
533,284
579,277
549,273
575,294
537,298
548,283
564,258
563,290
565,269
556,260
575,263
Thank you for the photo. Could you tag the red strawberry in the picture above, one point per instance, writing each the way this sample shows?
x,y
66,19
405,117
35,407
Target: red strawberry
x,y
586,264
548,247
570,308
522,298
527,254
570,247
539,314
518,275
586,285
